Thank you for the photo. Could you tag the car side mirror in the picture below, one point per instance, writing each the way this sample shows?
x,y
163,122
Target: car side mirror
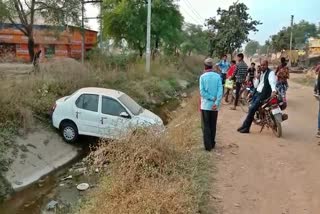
x,y
125,115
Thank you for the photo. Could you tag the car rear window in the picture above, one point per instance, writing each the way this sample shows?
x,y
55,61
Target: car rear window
x,y
132,105
88,102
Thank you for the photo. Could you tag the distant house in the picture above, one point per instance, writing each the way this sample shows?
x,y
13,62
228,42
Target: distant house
x,y
314,47
52,41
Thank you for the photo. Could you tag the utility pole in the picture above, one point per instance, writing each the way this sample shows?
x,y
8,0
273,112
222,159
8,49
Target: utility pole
x,y
83,32
148,51
291,37
83,2
101,23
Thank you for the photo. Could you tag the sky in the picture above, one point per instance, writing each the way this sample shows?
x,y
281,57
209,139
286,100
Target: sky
x,y
274,14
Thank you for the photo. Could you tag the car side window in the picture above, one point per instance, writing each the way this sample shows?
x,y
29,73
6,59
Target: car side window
x,y
88,102
111,107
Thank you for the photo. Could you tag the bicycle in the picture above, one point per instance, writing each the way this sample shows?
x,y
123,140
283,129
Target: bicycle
x,y
244,99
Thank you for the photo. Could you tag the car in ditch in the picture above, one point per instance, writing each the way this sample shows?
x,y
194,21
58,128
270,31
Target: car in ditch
x,y
100,112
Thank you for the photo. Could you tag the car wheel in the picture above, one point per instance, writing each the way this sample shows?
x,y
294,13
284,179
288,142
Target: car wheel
x,y
69,132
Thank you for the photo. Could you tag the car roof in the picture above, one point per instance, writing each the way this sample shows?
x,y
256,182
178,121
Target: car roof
x,y
103,91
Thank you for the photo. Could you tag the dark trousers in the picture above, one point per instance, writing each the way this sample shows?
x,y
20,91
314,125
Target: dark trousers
x,y
223,79
254,107
209,127
238,88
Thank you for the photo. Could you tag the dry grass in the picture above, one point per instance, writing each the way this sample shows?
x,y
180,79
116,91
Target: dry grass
x,y
27,95
146,176
152,173
307,79
147,173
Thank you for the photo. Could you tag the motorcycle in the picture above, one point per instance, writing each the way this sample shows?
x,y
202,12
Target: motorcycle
x,y
270,114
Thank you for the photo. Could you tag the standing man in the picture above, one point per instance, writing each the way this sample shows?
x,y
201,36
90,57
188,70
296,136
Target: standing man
x,y
211,95
316,91
224,66
282,74
240,75
318,85
252,72
265,89
36,60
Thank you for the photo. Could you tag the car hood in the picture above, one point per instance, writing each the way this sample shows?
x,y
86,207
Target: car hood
x,y
149,117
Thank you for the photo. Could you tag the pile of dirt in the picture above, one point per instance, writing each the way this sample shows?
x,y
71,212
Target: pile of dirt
x,y
311,73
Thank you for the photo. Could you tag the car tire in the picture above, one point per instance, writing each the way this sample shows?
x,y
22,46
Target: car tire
x,y
69,132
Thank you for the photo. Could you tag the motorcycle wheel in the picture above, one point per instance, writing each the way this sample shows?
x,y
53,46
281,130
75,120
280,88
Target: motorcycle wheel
x,y
277,128
244,102
256,119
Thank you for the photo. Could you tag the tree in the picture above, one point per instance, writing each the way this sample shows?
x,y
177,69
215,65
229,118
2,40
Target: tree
x,y
266,48
195,39
126,20
23,14
251,48
230,29
3,12
167,24
301,32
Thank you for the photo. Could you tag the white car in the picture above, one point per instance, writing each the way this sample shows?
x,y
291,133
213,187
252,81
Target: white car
x,y
101,113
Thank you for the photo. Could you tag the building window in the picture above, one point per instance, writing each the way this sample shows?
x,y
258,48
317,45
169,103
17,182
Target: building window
x,y
49,51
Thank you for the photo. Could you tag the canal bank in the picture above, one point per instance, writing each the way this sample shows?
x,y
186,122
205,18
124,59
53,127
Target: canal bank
x,y
48,170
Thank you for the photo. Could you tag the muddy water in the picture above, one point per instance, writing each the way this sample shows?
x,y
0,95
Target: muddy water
x,y
34,199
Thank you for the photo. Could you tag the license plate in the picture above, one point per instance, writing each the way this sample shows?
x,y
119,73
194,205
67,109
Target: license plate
x,y
276,111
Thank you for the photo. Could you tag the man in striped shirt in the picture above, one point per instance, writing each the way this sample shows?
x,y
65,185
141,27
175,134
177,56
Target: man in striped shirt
x,y
240,76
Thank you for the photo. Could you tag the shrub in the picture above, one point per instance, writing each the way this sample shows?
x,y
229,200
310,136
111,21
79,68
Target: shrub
x,y
146,174
150,173
58,78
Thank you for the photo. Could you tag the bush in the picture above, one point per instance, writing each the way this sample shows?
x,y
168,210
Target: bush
x,y
151,173
146,174
110,61
58,78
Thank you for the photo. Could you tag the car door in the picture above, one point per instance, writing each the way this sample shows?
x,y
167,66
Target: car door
x,y
87,114
112,124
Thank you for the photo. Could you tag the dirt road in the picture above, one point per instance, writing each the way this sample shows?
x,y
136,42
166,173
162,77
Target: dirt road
x,y
261,174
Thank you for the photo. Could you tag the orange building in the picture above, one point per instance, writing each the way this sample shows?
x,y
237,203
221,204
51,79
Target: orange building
x,y
52,41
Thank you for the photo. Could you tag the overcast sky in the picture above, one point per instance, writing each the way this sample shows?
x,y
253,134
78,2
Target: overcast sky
x,y
274,14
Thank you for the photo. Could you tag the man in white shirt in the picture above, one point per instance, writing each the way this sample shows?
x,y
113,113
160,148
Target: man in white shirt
x,y
265,89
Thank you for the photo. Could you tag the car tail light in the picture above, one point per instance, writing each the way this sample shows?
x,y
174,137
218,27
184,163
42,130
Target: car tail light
x,y
54,107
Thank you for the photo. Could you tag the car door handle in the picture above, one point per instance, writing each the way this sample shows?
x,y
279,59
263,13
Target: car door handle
x,y
77,114
102,119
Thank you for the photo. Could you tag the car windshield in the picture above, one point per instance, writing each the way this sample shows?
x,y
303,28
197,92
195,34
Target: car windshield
x,y
132,105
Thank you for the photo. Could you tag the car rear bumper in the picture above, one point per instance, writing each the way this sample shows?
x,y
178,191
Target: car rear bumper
x,y
55,121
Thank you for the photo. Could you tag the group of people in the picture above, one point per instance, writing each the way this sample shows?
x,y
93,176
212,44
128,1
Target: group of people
x,y
265,81
317,94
